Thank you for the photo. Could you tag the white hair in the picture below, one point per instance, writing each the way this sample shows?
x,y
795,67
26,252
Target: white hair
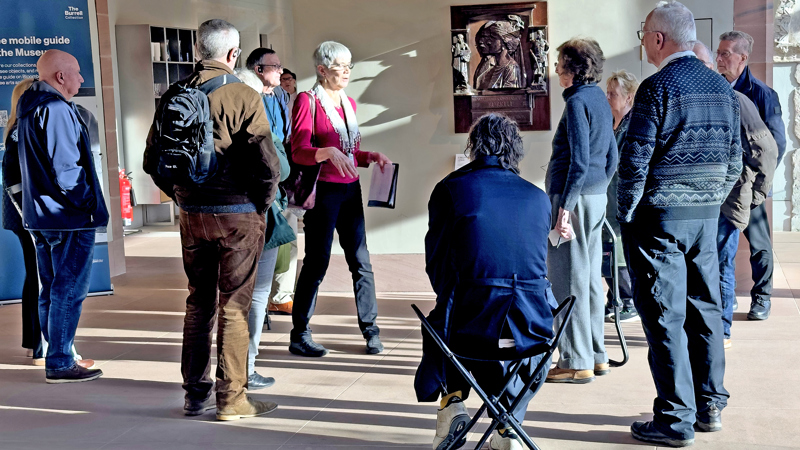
x,y
215,38
675,22
327,52
250,78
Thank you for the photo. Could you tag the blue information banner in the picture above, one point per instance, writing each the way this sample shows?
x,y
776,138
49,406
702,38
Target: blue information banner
x,y
28,28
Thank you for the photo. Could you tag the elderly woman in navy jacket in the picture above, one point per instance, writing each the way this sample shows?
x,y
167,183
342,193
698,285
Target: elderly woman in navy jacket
x,y
489,276
583,162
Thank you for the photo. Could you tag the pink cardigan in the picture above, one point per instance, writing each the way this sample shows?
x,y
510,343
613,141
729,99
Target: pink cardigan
x,y
303,152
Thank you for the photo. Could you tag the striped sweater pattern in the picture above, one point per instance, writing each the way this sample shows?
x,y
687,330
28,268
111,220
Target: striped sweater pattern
x,y
682,154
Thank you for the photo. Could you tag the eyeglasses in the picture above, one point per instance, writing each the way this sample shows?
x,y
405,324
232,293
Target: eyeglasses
x,y
724,55
640,34
341,66
277,67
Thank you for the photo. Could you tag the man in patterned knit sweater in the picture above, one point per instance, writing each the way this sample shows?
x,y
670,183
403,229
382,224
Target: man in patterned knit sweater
x,y
680,159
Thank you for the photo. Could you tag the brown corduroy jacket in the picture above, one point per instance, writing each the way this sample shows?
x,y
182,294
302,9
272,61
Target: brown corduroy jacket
x,y
248,164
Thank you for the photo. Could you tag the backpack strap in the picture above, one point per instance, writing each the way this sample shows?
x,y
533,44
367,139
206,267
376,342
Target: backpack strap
x,y
217,82
313,108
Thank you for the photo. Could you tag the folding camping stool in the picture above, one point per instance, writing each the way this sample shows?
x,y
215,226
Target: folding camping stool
x,y
499,413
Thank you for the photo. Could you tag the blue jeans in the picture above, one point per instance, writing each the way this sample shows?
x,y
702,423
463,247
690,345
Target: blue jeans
x,y
675,275
258,309
727,244
65,267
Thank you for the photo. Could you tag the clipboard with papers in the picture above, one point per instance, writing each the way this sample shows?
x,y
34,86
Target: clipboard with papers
x,y
383,187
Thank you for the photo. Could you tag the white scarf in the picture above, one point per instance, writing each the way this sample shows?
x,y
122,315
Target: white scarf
x,y
349,136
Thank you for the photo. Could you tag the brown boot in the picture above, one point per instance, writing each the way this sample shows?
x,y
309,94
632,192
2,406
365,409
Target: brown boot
x,y
248,408
602,369
281,308
574,376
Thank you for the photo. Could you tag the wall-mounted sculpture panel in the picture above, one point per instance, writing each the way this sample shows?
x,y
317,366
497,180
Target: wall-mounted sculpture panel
x,y
499,61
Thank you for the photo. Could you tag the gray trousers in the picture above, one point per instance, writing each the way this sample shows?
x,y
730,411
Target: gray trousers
x,y
574,268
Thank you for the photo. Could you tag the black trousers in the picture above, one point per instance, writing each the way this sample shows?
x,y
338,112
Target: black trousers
x,y
758,235
676,291
31,329
338,207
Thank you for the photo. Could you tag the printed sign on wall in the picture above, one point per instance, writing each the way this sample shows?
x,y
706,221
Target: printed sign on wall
x,y
31,27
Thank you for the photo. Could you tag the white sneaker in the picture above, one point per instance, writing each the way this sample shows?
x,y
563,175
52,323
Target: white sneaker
x,y
506,441
449,421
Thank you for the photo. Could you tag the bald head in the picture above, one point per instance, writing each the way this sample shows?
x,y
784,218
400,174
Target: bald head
x,y
703,54
61,71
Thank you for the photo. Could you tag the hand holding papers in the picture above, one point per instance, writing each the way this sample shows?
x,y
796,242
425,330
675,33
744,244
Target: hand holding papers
x,y
563,231
383,188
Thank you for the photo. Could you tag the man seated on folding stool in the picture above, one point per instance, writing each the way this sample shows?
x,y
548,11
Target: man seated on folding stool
x,y
485,251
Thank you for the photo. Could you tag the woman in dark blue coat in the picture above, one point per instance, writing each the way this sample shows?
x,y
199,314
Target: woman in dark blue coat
x,y
486,252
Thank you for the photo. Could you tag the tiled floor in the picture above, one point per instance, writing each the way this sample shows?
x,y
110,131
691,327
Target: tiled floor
x,y
349,399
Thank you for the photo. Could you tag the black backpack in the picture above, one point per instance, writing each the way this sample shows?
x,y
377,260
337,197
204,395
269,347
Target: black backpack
x,y
183,138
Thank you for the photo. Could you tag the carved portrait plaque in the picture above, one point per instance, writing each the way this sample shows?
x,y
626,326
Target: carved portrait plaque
x,y
499,61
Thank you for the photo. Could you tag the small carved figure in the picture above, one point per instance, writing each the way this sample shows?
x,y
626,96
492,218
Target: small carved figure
x,y
538,53
461,55
498,44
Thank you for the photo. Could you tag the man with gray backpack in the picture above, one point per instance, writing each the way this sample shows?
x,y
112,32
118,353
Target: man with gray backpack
x,y
210,149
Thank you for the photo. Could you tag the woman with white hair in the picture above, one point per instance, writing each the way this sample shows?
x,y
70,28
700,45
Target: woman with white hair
x,y
328,135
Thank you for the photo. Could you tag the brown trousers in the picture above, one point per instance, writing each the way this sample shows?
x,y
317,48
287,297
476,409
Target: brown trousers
x,y
220,257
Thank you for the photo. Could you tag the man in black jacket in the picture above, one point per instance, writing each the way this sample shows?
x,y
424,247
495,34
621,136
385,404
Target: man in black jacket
x,y
733,54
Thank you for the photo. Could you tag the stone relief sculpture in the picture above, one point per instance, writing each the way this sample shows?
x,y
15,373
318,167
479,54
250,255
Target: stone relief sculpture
x,y
795,221
461,56
498,43
538,54
787,32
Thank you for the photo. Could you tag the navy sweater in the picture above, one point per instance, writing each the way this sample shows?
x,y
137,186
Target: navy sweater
x,y
682,153
584,149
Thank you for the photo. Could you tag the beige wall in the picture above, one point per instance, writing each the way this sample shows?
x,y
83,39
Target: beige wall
x,y
251,17
403,86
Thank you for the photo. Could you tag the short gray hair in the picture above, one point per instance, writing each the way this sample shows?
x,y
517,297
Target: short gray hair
x,y
327,52
496,135
250,78
625,80
743,42
676,22
215,38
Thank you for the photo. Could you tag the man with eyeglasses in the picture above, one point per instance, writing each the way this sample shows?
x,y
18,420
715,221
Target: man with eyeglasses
x,y
733,54
680,159
222,226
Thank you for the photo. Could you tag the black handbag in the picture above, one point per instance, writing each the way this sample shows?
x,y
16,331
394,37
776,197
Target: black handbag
x,y
301,185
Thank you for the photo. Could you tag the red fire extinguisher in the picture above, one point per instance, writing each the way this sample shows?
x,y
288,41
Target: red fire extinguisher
x,y
125,198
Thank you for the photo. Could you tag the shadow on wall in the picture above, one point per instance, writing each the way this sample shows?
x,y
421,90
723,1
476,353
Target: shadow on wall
x,y
415,98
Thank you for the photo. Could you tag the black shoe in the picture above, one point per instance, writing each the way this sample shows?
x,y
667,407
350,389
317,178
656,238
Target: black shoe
x,y
374,345
256,381
74,374
307,347
709,420
646,432
759,310
198,407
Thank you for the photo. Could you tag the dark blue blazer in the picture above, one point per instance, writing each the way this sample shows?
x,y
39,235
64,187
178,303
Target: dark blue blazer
x,y
486,251
768,104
